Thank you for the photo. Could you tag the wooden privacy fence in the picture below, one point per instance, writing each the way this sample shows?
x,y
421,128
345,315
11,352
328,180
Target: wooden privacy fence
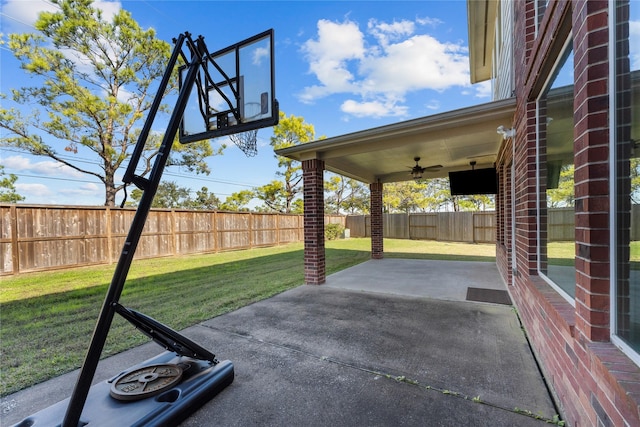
x,y
561,224
49,237
471,227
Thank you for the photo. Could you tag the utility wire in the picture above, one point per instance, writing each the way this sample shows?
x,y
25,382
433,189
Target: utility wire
x,y
167,173
54,178
17,20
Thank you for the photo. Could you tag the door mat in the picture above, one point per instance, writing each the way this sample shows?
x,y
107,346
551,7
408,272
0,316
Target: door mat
x,y
488,295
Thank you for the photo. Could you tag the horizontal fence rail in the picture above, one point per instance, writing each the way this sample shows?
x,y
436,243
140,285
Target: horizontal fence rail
x,y
38,238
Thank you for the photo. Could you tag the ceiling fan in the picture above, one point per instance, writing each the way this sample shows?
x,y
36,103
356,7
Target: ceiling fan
x,y
417,170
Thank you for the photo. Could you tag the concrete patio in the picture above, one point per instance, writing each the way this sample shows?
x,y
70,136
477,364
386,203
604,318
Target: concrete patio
x,y
387,342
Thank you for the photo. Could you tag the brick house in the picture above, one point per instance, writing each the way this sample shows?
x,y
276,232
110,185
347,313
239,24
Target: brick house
x,y
566,88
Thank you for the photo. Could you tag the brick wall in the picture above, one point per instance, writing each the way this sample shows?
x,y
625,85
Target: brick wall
x,y
594,382
314,256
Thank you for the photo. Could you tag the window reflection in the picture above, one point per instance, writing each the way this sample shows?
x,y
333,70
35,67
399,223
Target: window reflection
x,y
626,152
556,184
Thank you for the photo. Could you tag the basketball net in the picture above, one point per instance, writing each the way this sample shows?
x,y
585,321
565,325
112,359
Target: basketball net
x,y
246,141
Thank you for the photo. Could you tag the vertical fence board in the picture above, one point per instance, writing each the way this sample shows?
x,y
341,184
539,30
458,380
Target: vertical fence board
x,y
264,229
395,226
356,225
233,230
561,224
423,226
289,228
484,227
8,235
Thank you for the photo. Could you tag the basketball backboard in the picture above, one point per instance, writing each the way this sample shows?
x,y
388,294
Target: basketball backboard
x,y
234,91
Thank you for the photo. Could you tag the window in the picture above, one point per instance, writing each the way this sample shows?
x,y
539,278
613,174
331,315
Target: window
x,y
625,176
556,225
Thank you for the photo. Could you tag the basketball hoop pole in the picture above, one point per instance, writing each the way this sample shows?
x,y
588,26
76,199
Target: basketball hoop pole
x,y
149,186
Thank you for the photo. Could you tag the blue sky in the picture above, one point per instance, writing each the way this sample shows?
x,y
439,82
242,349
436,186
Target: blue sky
x,y
343,66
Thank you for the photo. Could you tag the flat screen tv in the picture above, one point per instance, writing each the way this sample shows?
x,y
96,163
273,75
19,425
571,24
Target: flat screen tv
x,y
470,182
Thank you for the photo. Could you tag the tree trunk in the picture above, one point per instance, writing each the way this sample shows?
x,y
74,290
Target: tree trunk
x,y
109,187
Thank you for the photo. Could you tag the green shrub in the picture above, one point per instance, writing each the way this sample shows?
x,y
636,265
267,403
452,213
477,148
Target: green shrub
x,y
333,231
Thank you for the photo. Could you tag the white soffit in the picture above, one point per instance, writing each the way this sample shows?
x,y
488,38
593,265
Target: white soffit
x,y
452,139
481,18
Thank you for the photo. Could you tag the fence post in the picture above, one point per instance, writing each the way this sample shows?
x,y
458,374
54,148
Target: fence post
x,y
109,235
300,228
278,229
250,230
172,231
214,230
15,253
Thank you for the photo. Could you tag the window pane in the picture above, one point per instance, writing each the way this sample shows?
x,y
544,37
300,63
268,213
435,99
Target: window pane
x,y
555,168
627,167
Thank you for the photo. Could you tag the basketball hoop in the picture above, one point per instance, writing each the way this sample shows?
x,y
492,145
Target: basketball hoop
x,y
247,141
234,94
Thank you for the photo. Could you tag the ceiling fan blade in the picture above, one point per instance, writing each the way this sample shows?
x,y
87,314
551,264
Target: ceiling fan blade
x,y
433,167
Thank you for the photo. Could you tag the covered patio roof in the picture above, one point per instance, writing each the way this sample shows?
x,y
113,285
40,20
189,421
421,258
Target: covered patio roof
x,y
385,154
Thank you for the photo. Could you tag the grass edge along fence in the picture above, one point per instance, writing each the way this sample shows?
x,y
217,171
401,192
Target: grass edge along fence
x,y
49,237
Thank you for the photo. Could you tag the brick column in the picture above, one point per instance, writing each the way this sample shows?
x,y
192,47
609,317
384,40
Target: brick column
x,y
314,256
377,249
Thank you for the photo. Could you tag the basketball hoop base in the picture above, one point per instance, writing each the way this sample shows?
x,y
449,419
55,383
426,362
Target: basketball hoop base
x,y
201,381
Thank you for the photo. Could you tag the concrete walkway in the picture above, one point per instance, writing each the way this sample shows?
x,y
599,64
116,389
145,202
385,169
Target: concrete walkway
x,y
385,343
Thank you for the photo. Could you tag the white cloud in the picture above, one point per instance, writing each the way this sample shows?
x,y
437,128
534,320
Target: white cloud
x,y
109,8
374,109
20,15
71,194
24,14
33,190
56,183
433,104
433,22
483,89
46,167
385,32
381,66
421,62
328,55
260,53
82,190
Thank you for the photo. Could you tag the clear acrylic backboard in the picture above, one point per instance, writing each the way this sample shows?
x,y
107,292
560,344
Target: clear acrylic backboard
x,y
234,91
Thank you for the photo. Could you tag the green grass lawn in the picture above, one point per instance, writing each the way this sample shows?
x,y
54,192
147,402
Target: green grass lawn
x,y
46,319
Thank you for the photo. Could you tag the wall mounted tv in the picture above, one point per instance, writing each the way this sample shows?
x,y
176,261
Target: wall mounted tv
x,y
475,181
